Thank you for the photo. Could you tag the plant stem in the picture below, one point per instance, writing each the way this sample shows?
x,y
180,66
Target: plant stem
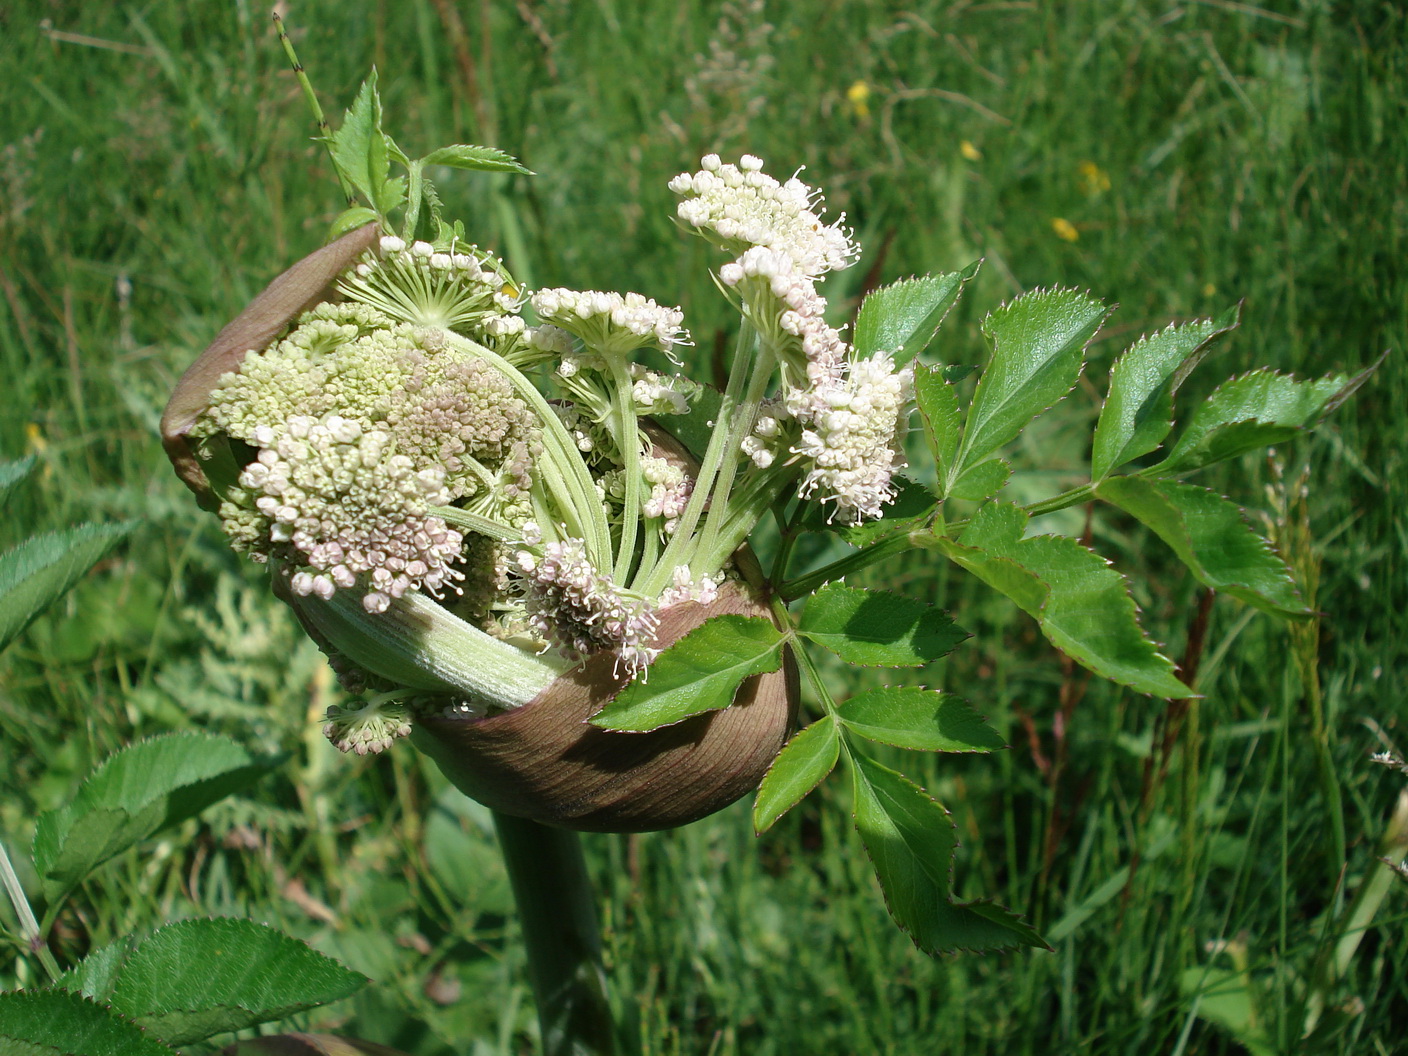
x,y
29,927
554,899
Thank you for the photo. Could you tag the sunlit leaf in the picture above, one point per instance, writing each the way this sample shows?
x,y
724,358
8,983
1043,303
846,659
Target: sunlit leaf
x,y
477,159
1246,413
877,627
1138,412
190,980
910,839
700,672
902,319
979,481
134,793
1081,604
923,719
1038,343
940,416
39,571
1211,536
807,758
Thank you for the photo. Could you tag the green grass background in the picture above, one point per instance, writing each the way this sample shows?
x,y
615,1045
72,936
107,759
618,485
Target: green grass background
x,y
156,170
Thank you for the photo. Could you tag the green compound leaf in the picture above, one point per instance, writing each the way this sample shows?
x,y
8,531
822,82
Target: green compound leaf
x,y
938,411
873,627
1247,413
134,793
363,152
700,672
190,980
910,839
39,571
902,319
55,1021
1138,413
1039,343
477,159
807,758
1211,537
923,719
1078,600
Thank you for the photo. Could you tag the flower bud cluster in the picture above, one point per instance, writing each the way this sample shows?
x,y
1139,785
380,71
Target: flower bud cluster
x,y
654,393
612,323
345,508
742,206
670,488
580,609
440,285
369,728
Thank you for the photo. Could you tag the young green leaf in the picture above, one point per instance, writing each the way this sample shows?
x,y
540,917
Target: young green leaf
x,y
1038,343
980,481
39,571
362,151
55,1021
190,980
700,672
902,319
477,159
1247,413
134,793
1138,413
1081,604
349,220
878,628
11,473
918,718
1210,536
807,758
938,411
910,839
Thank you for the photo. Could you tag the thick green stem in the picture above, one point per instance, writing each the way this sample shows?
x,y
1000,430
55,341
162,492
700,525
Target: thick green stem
x,y
555,906
628,441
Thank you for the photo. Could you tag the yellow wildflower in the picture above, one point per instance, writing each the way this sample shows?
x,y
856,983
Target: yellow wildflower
x,y
1064,228
858,96
1093,179
969,151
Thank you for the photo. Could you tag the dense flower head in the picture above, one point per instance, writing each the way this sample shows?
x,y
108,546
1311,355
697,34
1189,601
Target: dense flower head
x,y
654,393
344,509
580,609
670,488
740,206
851,438
612,323
367,728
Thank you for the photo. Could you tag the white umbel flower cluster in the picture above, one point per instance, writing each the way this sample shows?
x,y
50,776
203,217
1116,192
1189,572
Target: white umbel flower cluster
x,y
612,323
581,610
739,206
852,439
343,507
670,488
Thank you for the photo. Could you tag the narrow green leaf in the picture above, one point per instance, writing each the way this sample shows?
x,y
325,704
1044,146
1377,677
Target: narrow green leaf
x,y
39,571
807,758
923,719
877,627
134,793
11,473
1211,537
1038,343
478,159
700,672
1081,604
190,980
1138,412
56,1021
1246,413
349,220
938,411
980,481
910,840
902,319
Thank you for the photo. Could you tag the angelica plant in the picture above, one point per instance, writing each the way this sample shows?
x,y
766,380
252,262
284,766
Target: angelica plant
x,y
472,496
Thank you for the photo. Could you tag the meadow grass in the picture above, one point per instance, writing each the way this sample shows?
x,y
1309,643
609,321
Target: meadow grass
x,y
156,170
